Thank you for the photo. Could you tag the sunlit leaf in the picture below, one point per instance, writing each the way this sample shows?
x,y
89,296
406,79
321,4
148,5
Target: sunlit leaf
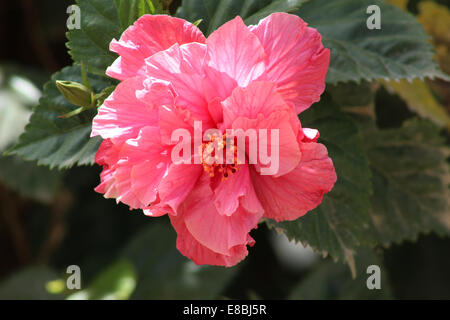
x,y
399,50
214,13
420,99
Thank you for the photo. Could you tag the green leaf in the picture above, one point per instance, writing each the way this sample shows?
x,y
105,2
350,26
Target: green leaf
x,y
102,21
341,222
197,23
102,96
159,6
399,50
57,142
28,284
352,94
117,282
333,281
216,12
420,99
100,24
410,181
164,273
131,10
275,6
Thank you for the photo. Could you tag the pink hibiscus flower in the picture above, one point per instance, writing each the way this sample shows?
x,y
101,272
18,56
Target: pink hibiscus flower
x,y
257,77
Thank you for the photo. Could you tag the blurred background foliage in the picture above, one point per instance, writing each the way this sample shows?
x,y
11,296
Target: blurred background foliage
x,y
52,219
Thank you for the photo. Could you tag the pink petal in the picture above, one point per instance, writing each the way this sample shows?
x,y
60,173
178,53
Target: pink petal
x,y
182,67
217,87
310,135
146,177
122,114
107,156
215,110
229,193
123,186
217,84
200,254
178,183
301,190
213,230
234,50
144,161
157,210
289,153
257,98
134,169
156,93
149,35
296,59
114,185
171,119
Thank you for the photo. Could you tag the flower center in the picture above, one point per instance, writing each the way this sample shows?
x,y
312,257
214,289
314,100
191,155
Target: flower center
x,y
219,156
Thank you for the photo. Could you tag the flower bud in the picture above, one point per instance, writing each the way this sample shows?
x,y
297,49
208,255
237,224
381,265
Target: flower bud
x,y
75,93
